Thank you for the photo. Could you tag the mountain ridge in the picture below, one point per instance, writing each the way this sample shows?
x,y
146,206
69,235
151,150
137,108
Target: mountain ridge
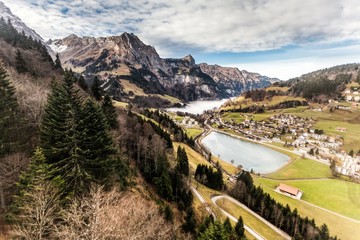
x,y
21,27
126,57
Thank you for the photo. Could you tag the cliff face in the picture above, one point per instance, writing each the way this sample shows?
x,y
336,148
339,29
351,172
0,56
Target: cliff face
x,y
119,59
234,80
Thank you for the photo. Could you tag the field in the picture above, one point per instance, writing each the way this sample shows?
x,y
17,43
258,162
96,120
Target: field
x,y
335,195
351,137
120,104
137,91
302,168
343,228
250,221
193,131
244,103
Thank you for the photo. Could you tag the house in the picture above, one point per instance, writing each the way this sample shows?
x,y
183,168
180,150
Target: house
x,y
349,97
347,91
289,190
340,129
356,98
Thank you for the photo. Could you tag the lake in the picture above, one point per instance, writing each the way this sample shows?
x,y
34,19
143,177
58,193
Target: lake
x,y
198,107
248,154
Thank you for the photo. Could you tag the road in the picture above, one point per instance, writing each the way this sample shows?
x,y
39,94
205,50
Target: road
x,y
280,232
202,200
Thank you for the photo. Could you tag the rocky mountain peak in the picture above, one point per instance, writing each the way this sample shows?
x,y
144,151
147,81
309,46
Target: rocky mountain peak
x,y
189,59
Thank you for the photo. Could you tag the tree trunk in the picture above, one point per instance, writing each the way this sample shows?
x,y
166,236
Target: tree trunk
x,y
2,198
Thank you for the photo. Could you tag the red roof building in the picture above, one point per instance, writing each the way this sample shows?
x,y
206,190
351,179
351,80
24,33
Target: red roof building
x,y
295,192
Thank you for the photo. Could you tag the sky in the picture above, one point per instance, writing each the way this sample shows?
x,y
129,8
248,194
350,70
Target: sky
x,y
277,38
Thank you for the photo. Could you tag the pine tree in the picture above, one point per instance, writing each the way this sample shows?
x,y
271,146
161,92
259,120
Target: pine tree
x,y
57,62
239,228
110,112
82,83
182,161
60,139
96,141
96,89
215,231
190,222
227,226
36,205
20,63
8,114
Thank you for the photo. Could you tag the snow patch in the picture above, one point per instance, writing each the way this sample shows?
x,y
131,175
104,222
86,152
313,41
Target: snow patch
x,y
58,48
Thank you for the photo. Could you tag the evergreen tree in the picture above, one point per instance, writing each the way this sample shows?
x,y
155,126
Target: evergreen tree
x,y
8,112
239,228
95,141
168,213
215,231
190,222
20,63
58,62
324,232
227,226
96,89
32,183
182,161
60,138
82,83
110,112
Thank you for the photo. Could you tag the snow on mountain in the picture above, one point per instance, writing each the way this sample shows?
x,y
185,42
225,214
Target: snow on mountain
x,y
20,26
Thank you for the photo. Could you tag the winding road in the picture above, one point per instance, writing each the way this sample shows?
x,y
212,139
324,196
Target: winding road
x,y
253,232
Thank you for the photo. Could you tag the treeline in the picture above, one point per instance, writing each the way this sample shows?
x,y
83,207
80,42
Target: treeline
x,y
165,121
281,216
258,95
209,176
211,229
320,89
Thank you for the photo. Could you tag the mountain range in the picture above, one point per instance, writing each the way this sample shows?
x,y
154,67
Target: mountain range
x,y
128,68
120,61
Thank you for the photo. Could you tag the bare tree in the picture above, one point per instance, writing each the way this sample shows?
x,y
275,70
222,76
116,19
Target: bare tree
x,y
113,215
38,213
10,167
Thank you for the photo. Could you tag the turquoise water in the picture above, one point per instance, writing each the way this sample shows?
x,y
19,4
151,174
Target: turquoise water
x,y
248,154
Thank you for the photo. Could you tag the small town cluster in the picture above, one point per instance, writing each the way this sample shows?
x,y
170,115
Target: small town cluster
x,y
300,135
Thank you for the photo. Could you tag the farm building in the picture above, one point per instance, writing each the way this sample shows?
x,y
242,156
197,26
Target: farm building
x,y
289,191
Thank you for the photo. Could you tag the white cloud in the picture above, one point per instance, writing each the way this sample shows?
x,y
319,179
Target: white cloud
x,y
295,67
212,25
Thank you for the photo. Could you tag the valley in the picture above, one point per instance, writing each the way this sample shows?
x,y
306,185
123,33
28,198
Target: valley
x,y
111,132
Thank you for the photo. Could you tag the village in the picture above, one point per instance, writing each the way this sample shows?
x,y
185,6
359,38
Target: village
x,y
298,134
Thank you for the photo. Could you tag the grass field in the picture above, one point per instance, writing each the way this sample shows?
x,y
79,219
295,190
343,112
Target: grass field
x,y
351,136
120,104
343,228
302,168
194,131
335,195
248,218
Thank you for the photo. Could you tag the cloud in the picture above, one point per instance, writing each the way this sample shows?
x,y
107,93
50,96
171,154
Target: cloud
x,y
180,26
290,67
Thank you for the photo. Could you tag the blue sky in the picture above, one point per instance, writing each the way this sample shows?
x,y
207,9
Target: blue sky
x,y
277,38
